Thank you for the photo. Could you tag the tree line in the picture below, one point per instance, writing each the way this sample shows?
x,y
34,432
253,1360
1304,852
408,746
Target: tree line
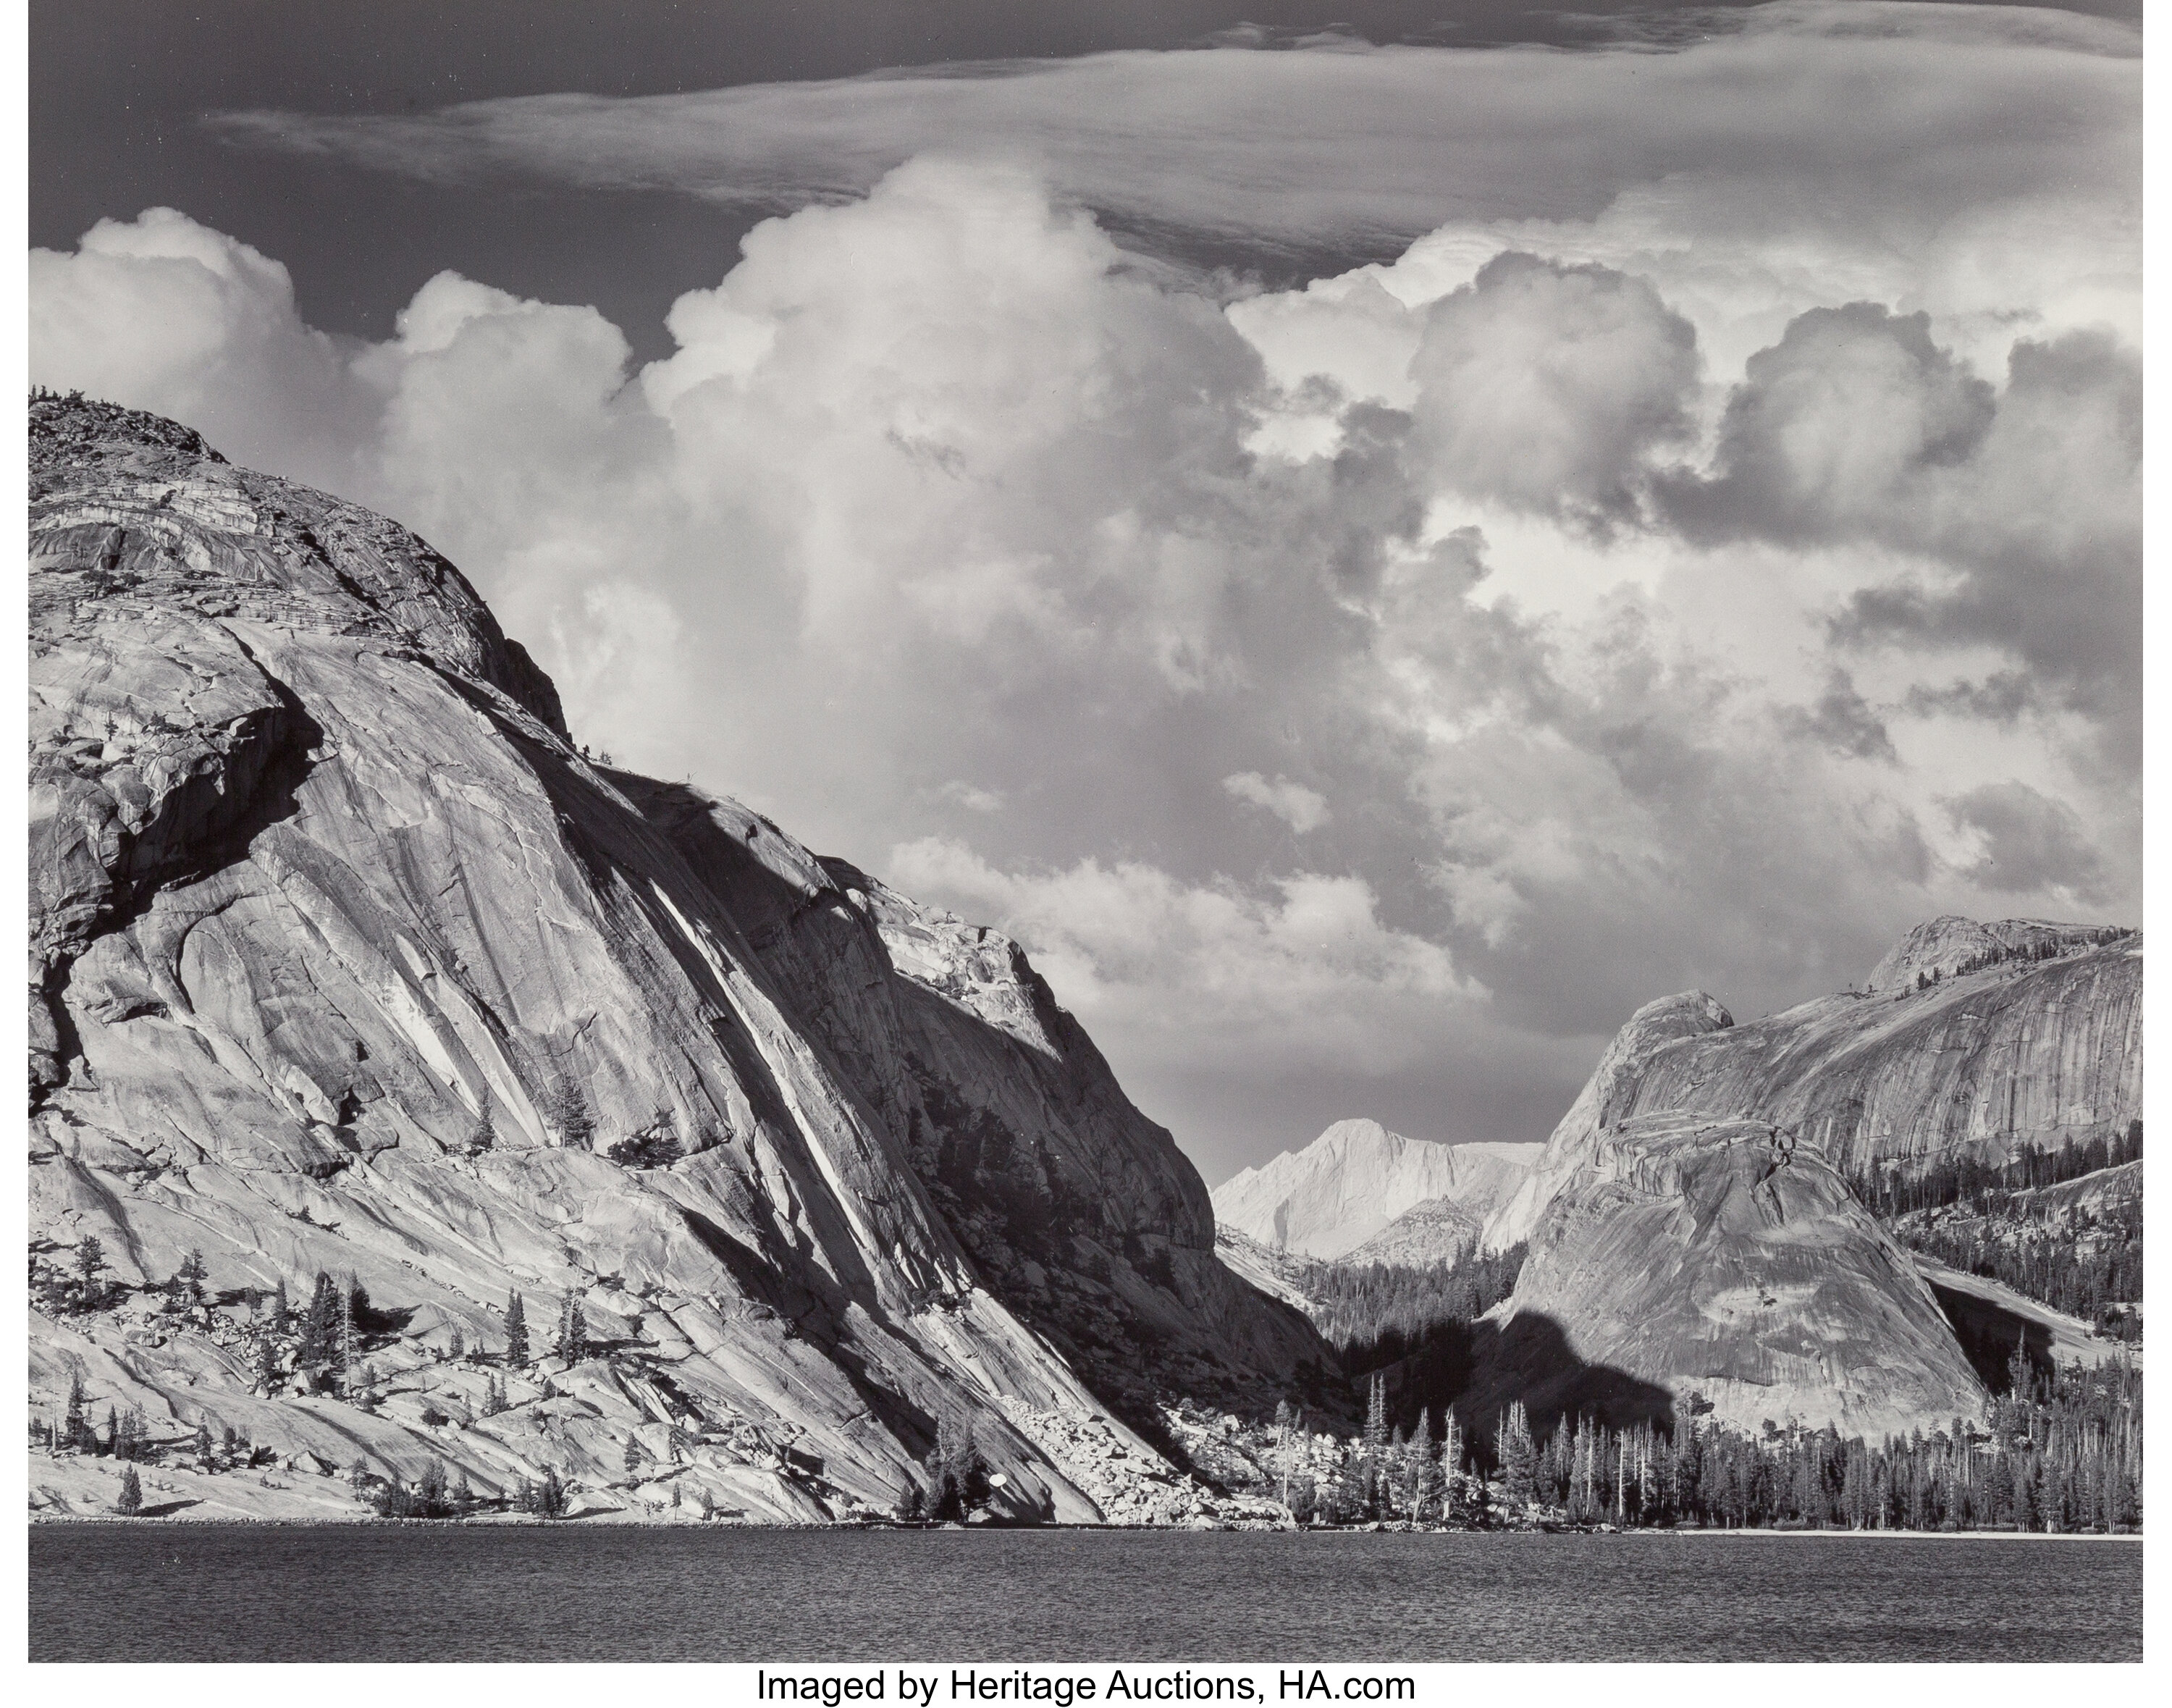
x,y
2042,949
2060,1450
1382,1312
1898,1188
2083,1264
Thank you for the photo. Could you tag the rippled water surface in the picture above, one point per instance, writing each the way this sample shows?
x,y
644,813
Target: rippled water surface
x,y
272,1592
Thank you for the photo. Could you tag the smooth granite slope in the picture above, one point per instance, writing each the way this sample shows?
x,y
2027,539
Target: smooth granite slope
x,y
344,959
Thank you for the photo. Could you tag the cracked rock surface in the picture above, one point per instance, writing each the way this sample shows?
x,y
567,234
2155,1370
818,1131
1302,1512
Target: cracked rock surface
x,y
344,959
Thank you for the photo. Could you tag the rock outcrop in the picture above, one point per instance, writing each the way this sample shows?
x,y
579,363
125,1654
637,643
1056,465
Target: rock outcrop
x,y
1357,1180
1693,1237
2035,1051
345,960
1701,1266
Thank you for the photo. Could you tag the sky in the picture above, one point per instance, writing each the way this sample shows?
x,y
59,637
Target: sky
x,y
1374,539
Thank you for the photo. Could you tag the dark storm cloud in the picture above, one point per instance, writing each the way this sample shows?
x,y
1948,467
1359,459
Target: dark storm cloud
x,y
1843,721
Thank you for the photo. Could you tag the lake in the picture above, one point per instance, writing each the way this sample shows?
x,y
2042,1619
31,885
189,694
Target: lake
x,y
576,1593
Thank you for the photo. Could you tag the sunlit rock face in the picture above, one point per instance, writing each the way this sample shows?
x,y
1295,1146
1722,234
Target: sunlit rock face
x,y
1710,1266
344,959
2021,1055
1362,1192
1690,1227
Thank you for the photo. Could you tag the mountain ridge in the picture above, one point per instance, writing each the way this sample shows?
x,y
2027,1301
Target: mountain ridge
x,y
1356,1180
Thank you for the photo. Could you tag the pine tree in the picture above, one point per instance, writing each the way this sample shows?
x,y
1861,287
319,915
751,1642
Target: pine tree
x,y
357,1476
267,1362
484,1136
516,1333
1453,1507
131,1493
432,1492
78,1424
281,1312
353,1302
632,1459
1518,1458
457,1348
202,1444
569,1112
573,1342
191,1276
320,1324
1425,1471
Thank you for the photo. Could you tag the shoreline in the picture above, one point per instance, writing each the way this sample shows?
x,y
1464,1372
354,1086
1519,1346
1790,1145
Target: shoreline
x,y
604,1521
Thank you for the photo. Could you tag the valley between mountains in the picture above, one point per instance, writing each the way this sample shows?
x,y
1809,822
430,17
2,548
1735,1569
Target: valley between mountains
x,y
428,1119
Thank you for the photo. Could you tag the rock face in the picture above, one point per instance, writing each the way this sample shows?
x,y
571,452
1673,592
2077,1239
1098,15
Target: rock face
x,y
2022,1055
1692,1231
345,960
1350,1184
1700,1264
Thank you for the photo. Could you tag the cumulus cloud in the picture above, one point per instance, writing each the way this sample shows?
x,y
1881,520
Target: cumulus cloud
x,y
1834,429
1299,807
1548,387
1685,583
162,307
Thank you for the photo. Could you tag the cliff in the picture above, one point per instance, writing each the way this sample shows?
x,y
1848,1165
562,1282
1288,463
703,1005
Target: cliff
x,y
1357,1180
345,960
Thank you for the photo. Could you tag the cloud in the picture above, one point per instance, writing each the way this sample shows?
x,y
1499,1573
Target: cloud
x,y
1547,387
972,798
1843,721
1857,428
1301,809
1353,144
1688,581
1216,970
162,307
2030,843
1834,429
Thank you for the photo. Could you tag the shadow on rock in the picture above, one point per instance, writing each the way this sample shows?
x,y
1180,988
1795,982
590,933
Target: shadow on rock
x,y
1482,1368
1989,1333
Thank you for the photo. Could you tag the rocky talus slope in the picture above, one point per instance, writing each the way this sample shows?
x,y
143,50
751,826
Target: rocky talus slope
x,y
1690,1228
1414,1201
345,960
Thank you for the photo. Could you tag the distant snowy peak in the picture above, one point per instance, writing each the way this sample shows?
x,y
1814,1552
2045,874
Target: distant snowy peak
x,y
1357,1179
